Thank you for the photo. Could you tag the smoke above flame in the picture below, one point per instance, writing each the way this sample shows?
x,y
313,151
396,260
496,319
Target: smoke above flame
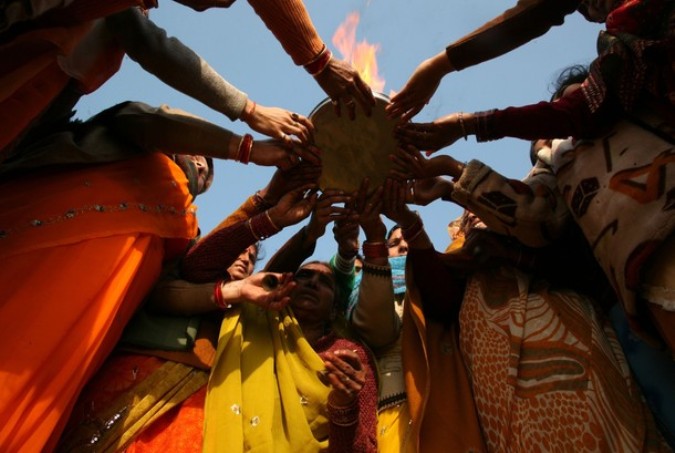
x,y
361,55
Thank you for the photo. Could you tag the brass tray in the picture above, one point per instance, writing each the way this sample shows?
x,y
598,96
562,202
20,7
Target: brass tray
x,y
353,149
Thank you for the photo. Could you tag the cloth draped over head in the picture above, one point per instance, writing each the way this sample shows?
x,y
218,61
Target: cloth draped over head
x,y
265,393
437,380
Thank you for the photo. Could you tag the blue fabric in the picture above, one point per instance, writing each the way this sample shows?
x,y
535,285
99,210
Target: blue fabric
x,y
654,371
397,264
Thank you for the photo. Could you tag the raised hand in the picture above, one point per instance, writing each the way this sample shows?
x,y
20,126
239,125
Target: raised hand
x,y
343,84
268,290
394,205
346,234
294,206
433,136
424,191
326,211
279,123
284,181
368,208
275,153
345,374
409,163
419,89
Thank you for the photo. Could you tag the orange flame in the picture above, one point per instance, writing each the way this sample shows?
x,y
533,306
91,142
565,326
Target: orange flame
x,y
361,55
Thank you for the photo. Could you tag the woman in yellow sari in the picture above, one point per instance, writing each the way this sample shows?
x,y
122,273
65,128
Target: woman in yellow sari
x,y
285,382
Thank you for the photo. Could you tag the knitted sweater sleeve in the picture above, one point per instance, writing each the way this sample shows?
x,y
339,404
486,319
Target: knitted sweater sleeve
x,y
174,63
209,258
290,23
374,317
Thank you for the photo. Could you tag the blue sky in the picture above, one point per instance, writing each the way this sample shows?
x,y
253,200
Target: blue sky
x,y
239,46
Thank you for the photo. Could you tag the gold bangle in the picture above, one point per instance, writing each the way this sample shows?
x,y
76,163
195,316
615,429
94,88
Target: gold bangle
x,y
460,118
267,214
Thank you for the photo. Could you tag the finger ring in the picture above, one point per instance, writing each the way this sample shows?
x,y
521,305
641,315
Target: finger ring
x,y
344,379
283,136
350,103
295,117
334,101
270,282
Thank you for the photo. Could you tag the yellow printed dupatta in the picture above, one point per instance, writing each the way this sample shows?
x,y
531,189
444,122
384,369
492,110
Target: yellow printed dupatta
x,y
264,393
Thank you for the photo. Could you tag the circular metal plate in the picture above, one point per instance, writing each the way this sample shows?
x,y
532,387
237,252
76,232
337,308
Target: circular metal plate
x,y
353,149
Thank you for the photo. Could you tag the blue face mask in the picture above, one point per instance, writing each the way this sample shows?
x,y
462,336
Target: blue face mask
x,y
397,264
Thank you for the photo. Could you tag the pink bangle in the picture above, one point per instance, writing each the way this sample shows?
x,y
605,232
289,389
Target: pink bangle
x,y
319,64
218,295
375,250
244,151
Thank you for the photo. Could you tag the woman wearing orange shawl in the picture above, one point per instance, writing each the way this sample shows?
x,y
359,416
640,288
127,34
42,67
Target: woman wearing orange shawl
x,y
84,243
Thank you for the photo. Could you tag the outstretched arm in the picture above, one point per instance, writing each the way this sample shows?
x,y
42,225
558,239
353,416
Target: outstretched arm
x,y
526,21
290,23
174,63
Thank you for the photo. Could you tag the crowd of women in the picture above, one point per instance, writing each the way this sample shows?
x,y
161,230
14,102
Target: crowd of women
x,y
548,323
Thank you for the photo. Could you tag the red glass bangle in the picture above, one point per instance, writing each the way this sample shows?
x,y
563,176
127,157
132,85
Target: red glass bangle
x,y
320,63
244,151
218,295
375,250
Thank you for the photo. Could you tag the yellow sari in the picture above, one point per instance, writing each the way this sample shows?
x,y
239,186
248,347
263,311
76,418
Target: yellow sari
x,y
264,393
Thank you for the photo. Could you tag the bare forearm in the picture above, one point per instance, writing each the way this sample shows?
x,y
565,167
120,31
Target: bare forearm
x,y
526,21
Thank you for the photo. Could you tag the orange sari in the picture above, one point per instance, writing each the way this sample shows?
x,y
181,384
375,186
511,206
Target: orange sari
x,y
80,250
33,72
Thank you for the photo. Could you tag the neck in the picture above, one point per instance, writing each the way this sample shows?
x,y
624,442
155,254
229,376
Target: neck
x,y
314,331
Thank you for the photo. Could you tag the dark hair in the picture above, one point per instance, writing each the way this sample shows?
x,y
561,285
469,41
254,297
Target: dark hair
x,y
260,251
391,231
570,75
